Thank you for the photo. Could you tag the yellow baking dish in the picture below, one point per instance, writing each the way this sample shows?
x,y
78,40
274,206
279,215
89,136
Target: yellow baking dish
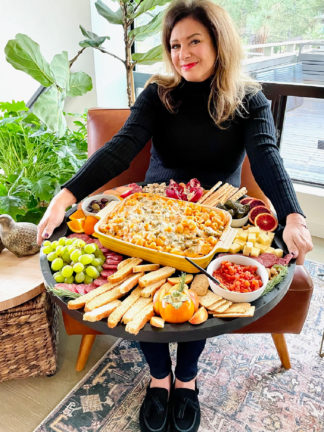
x,y
155,256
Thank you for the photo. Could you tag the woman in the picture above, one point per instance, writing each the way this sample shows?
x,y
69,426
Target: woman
x,y
202,119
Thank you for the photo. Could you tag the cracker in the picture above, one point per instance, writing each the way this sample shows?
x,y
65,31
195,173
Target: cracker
x,y
200,284
208,299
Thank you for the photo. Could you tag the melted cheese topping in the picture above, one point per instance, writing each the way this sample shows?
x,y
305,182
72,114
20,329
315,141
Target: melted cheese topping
x,y
166,224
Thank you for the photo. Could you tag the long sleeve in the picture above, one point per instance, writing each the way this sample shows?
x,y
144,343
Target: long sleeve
x,y
266,162
116,155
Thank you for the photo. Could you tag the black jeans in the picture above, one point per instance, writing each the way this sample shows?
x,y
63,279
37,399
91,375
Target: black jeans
x,y
158,358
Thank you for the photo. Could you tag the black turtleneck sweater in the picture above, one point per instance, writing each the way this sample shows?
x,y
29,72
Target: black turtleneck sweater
x,y
188,144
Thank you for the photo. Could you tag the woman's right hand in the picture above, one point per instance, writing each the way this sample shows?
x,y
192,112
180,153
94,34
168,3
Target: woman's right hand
x,y
54,215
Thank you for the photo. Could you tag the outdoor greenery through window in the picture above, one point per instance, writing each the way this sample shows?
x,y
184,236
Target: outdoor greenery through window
x,y
284,42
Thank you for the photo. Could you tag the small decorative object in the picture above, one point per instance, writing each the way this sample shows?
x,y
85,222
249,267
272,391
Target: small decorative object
x,y
19,238
1,246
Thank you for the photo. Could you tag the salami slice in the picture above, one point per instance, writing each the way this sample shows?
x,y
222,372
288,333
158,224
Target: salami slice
x,y
69,287
267,259
107,266
107,273
286,259
115,257
99,281
81,288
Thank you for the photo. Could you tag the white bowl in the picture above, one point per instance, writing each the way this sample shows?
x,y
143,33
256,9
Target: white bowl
x,y
237,223
85,203
232,295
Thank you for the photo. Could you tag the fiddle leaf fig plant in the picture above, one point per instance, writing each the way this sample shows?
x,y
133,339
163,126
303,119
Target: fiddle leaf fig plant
x,y
24,54
125,16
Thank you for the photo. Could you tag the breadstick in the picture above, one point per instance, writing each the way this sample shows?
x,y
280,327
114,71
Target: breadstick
x,y
216,194
239,194
204,197
230,192
217,197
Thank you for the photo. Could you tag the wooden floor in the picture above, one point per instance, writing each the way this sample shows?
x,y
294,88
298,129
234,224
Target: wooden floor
x,y
25,403
303,128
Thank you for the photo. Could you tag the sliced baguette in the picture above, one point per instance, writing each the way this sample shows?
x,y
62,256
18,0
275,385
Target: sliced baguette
x,y
122,308
140,320
123,263
125,270
129,283
136,309
146,268
156,276
82,300
150,290
101,312
103,299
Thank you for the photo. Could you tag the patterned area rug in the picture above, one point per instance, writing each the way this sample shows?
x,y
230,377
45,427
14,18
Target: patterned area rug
x,y
242,387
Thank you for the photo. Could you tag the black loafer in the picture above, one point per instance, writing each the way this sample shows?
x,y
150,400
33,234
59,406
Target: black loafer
x,y
154,412
185,410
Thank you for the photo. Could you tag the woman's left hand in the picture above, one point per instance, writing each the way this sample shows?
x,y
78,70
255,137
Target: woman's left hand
x,y
297,237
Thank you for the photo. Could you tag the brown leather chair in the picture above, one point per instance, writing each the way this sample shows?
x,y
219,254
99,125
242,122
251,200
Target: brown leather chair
x,y
287,317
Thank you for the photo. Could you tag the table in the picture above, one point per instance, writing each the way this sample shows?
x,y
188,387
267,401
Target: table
x,y
21,279
172,332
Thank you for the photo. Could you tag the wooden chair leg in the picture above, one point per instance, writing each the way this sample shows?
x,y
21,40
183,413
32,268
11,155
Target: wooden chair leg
x,y
84,351
280,343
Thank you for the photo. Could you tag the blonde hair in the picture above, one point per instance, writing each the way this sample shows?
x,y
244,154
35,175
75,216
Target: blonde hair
x,y
229,85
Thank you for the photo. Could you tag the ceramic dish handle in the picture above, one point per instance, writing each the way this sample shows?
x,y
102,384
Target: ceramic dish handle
x,y
103,213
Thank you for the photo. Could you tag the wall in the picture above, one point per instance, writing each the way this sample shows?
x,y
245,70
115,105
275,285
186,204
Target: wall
x,y
110,72
54,25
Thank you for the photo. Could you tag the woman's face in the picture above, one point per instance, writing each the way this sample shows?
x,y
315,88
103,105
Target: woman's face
x,y
192,51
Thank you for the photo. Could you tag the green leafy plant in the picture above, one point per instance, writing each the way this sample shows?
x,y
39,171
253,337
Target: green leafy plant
x,y
24,54
34,162
125,15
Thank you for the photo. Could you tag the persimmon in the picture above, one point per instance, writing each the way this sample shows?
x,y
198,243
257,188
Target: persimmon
x,y
76,225
89,223
176,304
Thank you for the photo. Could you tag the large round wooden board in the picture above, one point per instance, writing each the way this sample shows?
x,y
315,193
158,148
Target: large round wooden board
x,y
20,279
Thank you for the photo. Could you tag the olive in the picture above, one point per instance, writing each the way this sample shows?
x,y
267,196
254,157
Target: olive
x,y
104,200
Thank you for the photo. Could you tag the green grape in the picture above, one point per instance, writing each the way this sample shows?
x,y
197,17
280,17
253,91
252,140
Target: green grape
x,y
69,241
69,280
59,250
99,268
67,271
51,256
66,256
54,244
47,249
79,243
61,241
79,277
92,271
75,255
96,262
78,267
90,248
57,264
70,248
88,279
58,277
47,243
85,259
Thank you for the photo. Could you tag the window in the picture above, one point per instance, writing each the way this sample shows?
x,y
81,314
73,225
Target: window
x,y
284,42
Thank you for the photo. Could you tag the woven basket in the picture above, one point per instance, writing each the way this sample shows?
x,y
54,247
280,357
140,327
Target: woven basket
x,y
28,339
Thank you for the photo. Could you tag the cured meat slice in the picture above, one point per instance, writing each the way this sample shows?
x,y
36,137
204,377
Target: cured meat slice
x,y
107,273
114,257
286,259
267,259
69,287
108,266
99,281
